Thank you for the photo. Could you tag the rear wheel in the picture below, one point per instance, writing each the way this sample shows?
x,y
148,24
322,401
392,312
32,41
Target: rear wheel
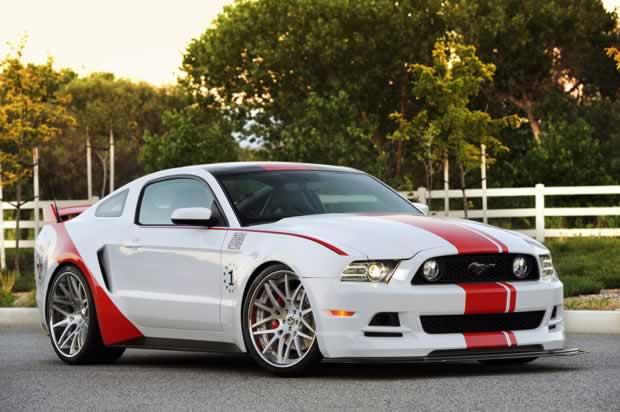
x,y
514,361
278,324
72,321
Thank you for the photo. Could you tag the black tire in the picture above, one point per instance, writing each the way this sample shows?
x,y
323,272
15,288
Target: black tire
x,y
508,362
307,363
93,351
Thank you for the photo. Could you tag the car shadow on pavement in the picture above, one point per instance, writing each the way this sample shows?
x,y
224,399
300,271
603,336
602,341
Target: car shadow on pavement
x,y
180,361
427,370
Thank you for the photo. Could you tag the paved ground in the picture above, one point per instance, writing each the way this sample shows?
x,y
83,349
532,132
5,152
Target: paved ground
x,y
32,378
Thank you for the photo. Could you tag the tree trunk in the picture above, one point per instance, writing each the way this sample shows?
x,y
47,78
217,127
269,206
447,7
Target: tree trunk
x,y
526,105
18,209
428,171
104,165
399,154
534,124
462,183
403,109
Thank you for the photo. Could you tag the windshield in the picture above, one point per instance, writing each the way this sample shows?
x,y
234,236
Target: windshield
x,y
262,197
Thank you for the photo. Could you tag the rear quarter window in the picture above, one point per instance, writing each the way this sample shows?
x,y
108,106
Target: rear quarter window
x,y
114,206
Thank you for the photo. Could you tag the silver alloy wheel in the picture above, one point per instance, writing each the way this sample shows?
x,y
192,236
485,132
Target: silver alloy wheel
x,y
280,319
68,314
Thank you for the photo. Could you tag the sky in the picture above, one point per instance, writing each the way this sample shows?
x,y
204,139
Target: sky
x,y
137,39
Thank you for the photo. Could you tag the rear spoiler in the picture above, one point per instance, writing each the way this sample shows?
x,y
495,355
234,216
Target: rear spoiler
x,y
54,214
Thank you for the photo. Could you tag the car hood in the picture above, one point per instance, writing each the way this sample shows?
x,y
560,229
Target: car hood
x,y
395,236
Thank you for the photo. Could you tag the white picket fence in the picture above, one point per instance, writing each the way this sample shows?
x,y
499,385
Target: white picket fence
x,y
28,224
538,212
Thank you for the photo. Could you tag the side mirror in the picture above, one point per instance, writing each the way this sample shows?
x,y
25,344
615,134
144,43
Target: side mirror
x,y
192,216
422,208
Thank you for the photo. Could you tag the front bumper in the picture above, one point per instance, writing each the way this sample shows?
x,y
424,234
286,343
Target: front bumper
x,y
348,337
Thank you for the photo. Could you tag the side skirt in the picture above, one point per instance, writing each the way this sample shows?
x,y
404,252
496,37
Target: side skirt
x,y
180,345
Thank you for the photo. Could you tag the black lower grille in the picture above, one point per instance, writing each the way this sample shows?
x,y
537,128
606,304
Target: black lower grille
x,y
477,268
436,324
385,319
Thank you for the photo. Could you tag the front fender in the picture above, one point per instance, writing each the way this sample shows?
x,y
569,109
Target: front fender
x,y
242,259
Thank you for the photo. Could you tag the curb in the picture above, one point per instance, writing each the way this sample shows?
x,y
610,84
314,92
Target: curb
x,y
576,321
19,317
592,321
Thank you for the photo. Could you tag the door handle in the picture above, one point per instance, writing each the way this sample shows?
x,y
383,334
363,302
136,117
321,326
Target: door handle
x,y
130,245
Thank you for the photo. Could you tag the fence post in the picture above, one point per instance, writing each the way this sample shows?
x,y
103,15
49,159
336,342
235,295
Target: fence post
x,y
89,173
422,195
540,212
446,185
483,179
35,189
2,250
111,160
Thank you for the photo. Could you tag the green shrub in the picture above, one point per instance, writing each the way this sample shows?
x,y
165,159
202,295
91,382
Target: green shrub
x,y
586,265
25,280
576,285
6,299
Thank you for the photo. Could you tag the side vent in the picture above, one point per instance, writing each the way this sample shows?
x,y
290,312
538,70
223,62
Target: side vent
x,y
104,270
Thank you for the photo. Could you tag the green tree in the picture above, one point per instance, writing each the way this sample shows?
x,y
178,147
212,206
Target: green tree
x,y
103,104
316,80
33,111
614,53
539,48
446,123
189,137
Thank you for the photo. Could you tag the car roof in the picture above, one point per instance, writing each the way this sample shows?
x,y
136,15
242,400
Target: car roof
x,y
219,169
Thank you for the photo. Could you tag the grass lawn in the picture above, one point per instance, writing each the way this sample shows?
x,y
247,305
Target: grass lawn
x,y
586,265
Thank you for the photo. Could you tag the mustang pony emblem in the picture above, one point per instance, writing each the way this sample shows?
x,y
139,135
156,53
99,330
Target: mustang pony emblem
x,y
478,269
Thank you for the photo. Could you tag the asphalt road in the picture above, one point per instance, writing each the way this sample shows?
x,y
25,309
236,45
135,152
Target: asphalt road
x,y
32,378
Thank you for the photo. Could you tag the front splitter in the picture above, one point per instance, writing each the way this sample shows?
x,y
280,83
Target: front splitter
x,y
461,355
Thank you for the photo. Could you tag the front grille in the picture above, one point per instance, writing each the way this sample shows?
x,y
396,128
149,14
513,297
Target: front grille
x,y
435,324
462,269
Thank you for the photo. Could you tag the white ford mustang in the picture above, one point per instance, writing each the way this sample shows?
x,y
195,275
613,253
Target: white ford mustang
x,y
291,263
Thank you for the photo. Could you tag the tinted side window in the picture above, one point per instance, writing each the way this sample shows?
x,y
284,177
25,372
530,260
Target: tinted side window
x,y
160,199
114,206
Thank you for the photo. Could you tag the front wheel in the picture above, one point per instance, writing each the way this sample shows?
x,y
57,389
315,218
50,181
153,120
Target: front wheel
x,y
72,321
278,324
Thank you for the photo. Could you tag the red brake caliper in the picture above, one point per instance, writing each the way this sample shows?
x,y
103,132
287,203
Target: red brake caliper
x,y
275,323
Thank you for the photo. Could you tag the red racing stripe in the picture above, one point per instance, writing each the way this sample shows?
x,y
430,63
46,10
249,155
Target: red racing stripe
x,y
113,325
466,241
485,340
273,232
513,296
502,245
484,298
512,337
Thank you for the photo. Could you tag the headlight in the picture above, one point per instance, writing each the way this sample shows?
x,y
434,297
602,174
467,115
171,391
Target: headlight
x,y
430,270
520,268
373,271
548,272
